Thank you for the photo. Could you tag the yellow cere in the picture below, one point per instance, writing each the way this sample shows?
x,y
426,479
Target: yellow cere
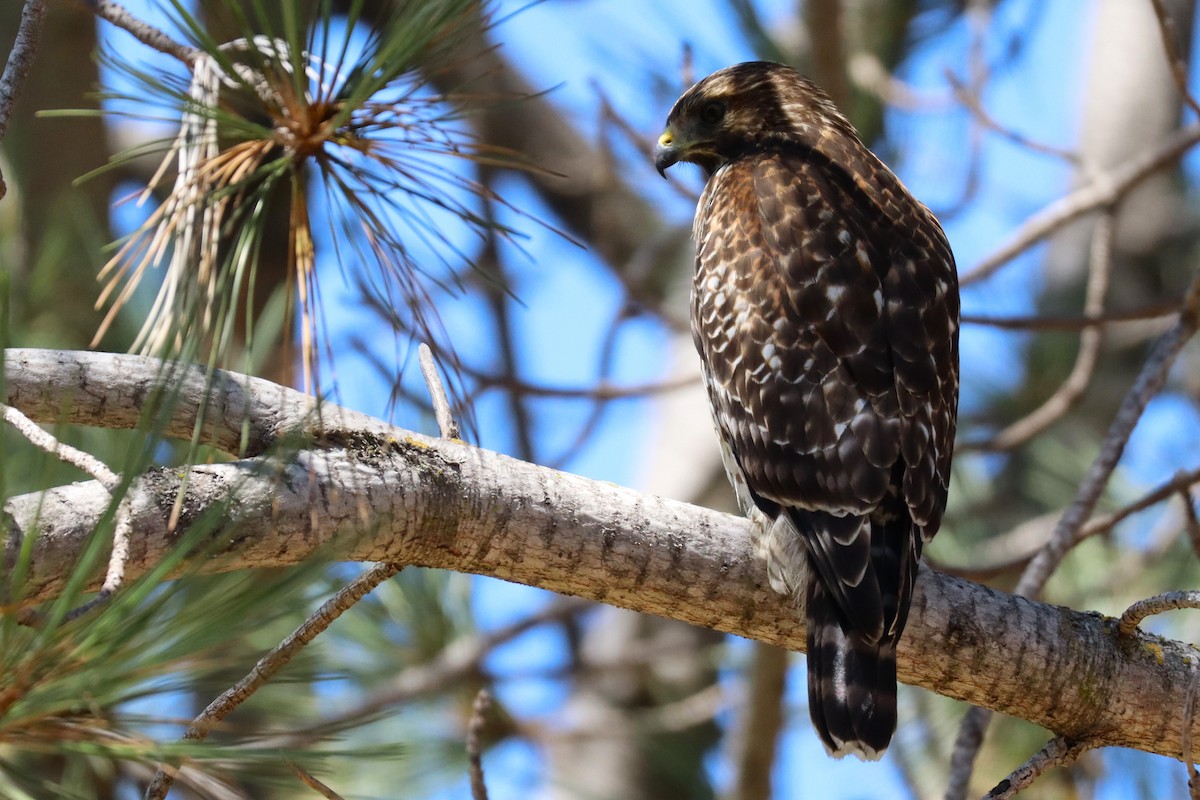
x,y
666,139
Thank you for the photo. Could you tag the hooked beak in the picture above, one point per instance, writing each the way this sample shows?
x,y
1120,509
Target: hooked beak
x,y
666,153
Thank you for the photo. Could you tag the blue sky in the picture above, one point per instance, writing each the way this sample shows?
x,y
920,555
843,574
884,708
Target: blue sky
x,y
568,300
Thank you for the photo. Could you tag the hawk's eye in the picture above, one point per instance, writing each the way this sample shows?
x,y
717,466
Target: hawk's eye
x,y
712,112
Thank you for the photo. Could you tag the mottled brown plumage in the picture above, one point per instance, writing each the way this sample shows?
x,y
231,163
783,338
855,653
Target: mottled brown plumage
x,y
825,311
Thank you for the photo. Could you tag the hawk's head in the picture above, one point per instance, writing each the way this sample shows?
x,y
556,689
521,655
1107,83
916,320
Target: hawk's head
x,y
746,108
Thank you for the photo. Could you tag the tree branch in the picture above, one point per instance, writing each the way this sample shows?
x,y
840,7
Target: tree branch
x,y
20,60
1103,189
376,493
236,414
144,32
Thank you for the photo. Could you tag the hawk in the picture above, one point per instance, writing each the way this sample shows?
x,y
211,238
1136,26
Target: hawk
x,y
825,311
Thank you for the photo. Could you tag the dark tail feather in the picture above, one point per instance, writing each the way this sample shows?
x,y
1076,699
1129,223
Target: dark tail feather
x,y
851,682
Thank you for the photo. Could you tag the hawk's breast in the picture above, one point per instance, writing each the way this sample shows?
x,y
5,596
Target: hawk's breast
x,y
787,311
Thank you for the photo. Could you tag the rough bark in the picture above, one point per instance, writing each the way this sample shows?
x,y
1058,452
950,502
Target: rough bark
x,y
362,490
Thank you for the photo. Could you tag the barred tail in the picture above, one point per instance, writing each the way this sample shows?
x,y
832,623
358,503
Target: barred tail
x,y
851,681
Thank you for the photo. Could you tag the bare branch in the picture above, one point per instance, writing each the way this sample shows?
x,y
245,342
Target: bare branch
x,y
1058,752
20,60
63,452
1179,67
237,414
321,619
1022,541
1148,383
1191,520
1103,524
437,394
972,102
1103,190
271,663
144,32
1066,533
1068,395
108,479
381,494
479,709
115,575
459,661
313,783
1168,601
1158,311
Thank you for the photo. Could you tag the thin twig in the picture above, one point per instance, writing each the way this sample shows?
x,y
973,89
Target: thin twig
x,y
42,440
437,394
1180,483
491,264
1069,324
976,15
483,701
1103,190
1156,544
603,390
114,576
271,663
1179,67
634,135
1167,601
1068,395
975,107
1058,752
313,783
1191,520
144,32
1017,539
608,351
20,60
1005,552
459,661
123,527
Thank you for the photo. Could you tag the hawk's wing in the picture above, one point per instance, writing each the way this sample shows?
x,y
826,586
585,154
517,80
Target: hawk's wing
x,y
828,321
